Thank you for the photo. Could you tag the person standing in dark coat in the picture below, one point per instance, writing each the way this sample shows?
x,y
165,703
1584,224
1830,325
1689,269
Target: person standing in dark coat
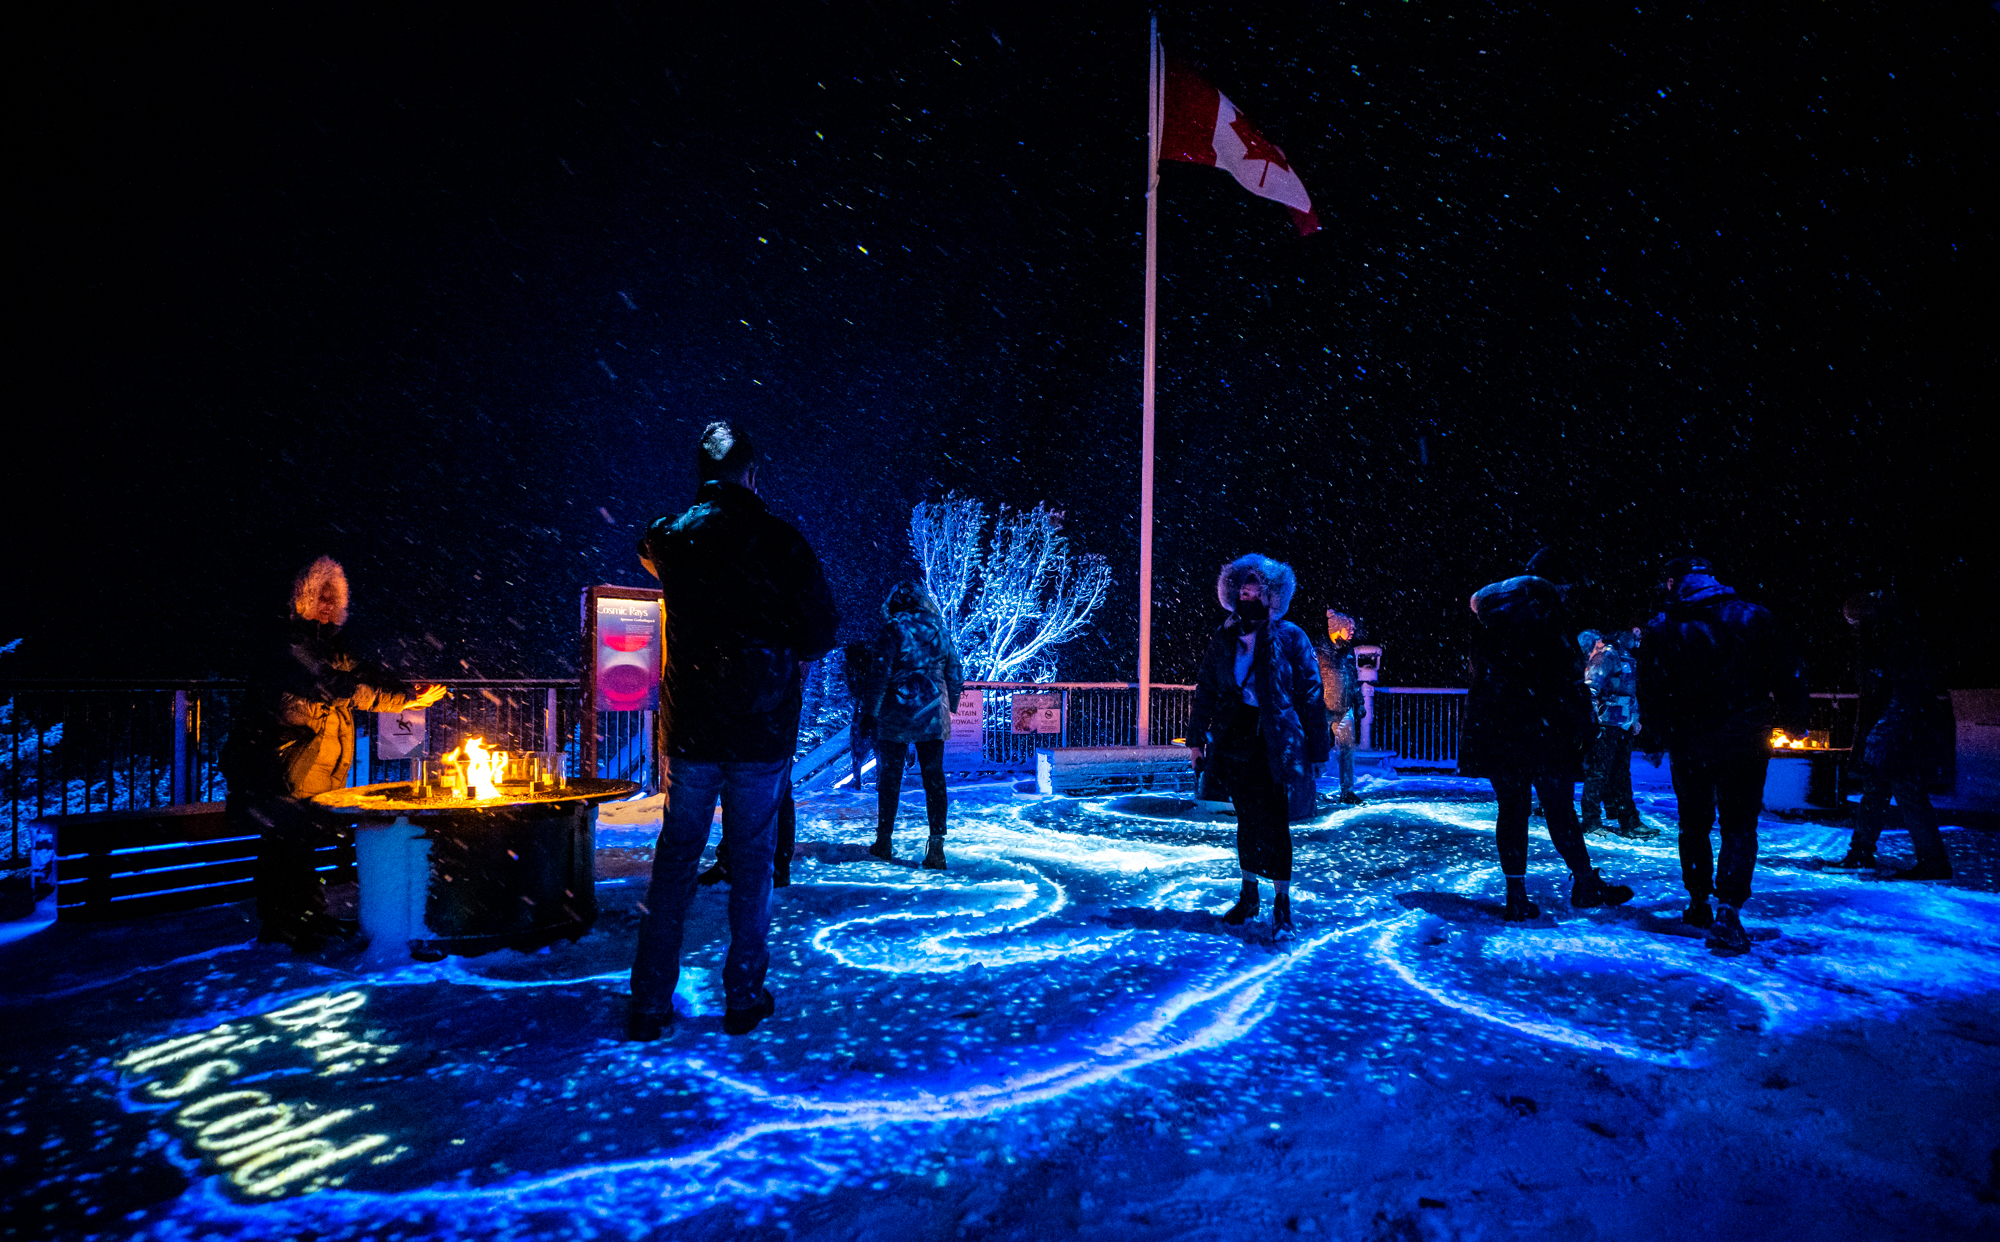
x,y
1259,723
914,688
1905,744
1715,674
1527,721
747,607
294,738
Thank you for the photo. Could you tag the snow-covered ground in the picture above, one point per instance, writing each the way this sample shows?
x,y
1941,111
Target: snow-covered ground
x,y
1055,1037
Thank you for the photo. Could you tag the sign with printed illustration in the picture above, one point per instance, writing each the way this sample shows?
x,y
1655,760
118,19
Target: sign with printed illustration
x,y
1038,713
400,735
628,654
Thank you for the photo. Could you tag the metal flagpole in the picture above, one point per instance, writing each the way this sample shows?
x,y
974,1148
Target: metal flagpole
x,y
1155,122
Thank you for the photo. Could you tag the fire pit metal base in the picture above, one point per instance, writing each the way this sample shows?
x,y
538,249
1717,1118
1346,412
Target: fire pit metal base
x,y
470,877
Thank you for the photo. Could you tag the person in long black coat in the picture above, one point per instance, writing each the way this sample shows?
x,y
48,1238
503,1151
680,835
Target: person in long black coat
x,y
1716,674
1527,721
1259,723
293,737
1904,742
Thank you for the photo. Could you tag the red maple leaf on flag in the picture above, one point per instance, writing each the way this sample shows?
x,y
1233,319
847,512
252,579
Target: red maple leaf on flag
x,y
1256,147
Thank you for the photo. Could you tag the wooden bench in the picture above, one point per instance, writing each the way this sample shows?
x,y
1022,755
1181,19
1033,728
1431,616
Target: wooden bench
x,y
124,864
1078,770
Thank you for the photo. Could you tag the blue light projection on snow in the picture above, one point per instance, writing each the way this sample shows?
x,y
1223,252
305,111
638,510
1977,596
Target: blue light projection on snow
x,y
1068,963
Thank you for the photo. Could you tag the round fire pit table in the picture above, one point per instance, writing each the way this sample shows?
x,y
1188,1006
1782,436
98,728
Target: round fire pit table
x,y
1800,778
468,877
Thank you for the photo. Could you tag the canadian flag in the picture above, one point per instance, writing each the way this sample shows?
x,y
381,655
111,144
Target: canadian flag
x,y
1200,126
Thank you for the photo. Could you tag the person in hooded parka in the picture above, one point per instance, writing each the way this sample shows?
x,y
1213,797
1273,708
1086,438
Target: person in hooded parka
x,y
915,679
1527,721
1716,674
293,738
1258,724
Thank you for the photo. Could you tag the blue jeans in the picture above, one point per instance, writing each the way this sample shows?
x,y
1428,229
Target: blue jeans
x,y
751,796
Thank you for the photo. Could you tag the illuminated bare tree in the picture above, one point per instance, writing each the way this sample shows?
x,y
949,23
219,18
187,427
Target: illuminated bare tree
x,y
1011,595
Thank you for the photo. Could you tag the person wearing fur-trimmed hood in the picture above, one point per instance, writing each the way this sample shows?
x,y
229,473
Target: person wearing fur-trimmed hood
x,y
293,738
1259,723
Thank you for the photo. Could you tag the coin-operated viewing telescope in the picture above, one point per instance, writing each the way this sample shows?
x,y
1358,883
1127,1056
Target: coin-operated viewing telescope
x,y
1368,664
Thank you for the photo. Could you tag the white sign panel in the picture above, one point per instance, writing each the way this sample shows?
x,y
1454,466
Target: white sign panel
x,y
401,735
965,748
1038,713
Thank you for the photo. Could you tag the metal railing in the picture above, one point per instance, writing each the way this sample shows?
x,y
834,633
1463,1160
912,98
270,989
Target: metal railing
x,y
1094,713
75,747
79,747
1421,724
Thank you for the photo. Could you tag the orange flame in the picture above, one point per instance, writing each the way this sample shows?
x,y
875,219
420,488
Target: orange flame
x,y
483,767
1780,742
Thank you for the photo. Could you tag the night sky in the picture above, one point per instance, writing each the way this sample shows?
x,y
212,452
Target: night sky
x,y
449,297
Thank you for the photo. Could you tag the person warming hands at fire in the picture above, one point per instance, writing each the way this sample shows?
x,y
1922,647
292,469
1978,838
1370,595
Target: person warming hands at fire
x,y
294,738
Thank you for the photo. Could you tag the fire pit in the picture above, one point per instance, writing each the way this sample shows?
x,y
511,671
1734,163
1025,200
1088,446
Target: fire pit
x,y
445,873
1801,770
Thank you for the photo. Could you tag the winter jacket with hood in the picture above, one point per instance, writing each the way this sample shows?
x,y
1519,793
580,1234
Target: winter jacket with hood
x,y
918,678
294,734
1528,712
1285,678
1716,674
1613,677
747,604
1340,676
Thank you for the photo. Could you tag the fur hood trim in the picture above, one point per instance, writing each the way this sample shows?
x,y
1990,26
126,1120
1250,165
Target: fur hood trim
x,y
1278,578
311,581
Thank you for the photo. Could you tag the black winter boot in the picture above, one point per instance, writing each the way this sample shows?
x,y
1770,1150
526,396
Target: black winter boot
x,y
934,855
1698,914
1245,908
881,847
1519,908
1281,917
1727,936
1588,890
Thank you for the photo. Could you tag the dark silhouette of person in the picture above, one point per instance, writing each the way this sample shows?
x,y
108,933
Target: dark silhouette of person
x,y
1527,721
1716,673
747,606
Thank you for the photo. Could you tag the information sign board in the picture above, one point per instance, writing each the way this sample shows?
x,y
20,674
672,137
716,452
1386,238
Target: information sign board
x,y
965,748
1038,712
628,654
